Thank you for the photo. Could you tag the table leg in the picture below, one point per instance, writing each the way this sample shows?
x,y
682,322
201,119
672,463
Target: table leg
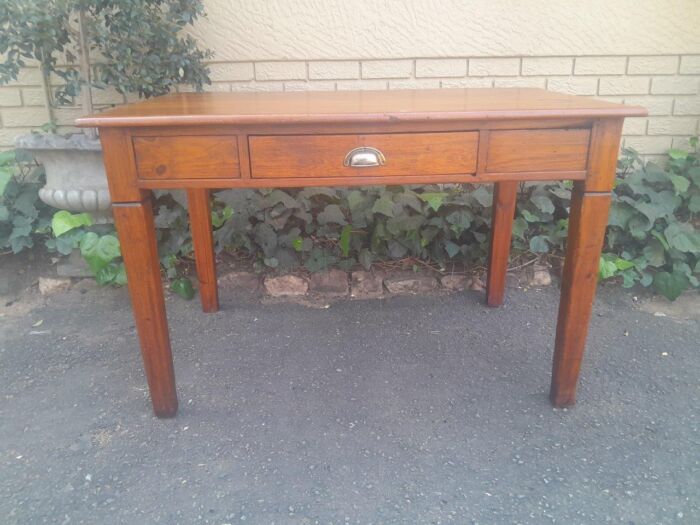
x,y
587,221
504,197
134,222
202,239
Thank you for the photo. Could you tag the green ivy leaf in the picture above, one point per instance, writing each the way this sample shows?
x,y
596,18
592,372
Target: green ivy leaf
x,y
331,214
680,183
606,268
183,287
5,177
8,158
682,237
539,244
638,226
462,219
647,279
108,248
519,227
694,203
694,174
366,258
543,203
620,214
654,253
64,221
88,249
107,275
272,262
266,238
355,199
451,248
319,259
629,278
678,154
483,196
384,205
671,285
623,264
434,199
344,242
529,217
120,279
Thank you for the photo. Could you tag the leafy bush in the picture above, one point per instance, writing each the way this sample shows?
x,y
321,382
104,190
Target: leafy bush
x,y
23,216
139,44
652,237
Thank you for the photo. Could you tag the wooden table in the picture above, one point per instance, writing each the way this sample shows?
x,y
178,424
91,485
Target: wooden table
x,y
259,140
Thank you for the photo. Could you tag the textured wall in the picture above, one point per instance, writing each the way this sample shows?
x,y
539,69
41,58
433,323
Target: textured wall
x,y
336,29
643,52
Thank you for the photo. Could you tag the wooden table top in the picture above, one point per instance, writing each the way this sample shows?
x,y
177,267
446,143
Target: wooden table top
x,y
356,106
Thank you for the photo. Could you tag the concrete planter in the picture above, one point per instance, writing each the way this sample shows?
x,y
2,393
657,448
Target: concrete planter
x,y
75,174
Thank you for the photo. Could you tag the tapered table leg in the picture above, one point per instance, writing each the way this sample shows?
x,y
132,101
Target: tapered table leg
x,y
587,221
134,222
202,239
504,197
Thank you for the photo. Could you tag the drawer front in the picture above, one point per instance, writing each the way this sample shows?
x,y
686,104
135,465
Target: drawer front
x,y
310,156
537,150
187,157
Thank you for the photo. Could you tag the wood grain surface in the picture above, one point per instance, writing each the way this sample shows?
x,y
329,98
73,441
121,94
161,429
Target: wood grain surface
x,y
412,154
187,157
372,107
200,141
537,150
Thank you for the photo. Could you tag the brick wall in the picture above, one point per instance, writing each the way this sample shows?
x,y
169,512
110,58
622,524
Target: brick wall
x,y
667,85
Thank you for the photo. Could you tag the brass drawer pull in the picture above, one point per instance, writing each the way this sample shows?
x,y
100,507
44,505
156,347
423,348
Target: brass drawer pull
x,y
364,158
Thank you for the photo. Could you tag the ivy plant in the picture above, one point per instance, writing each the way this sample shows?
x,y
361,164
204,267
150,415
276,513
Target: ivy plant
x,y
23,216
652,238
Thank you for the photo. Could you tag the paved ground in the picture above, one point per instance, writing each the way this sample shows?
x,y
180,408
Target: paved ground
x,y
414,410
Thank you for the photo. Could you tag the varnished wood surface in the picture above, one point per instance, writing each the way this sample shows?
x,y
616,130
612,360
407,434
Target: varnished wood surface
x,y
602,162
537,150
183,157
263,140
202,240
406,154
502,215
118,158
137,237
355,106
587,222
361,180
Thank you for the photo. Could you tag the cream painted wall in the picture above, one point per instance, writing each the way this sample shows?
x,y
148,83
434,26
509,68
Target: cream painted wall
x,y
643,52
338,29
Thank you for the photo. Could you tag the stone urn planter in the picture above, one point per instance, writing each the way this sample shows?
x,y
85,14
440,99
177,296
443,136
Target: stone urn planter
x,y
75,174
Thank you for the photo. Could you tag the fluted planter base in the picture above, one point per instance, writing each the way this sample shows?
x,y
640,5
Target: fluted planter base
x,y
75,174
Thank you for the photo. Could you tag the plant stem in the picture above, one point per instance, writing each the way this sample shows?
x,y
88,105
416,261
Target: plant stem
x,y
46,88
86,91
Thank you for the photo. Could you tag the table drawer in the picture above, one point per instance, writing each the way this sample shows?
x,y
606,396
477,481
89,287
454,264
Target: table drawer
x,y
187,157
512,151
382,154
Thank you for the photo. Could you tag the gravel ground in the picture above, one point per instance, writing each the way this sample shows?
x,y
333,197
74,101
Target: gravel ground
x,y
415,410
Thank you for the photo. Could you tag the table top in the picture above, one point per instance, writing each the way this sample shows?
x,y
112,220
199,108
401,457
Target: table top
x,y
183,109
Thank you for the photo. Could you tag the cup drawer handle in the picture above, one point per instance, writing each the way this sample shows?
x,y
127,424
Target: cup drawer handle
x,y
364,158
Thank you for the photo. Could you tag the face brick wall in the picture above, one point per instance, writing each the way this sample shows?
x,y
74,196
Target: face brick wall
x,y
667,85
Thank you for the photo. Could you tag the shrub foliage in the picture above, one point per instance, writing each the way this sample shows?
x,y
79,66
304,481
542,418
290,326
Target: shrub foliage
x,y
652,239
